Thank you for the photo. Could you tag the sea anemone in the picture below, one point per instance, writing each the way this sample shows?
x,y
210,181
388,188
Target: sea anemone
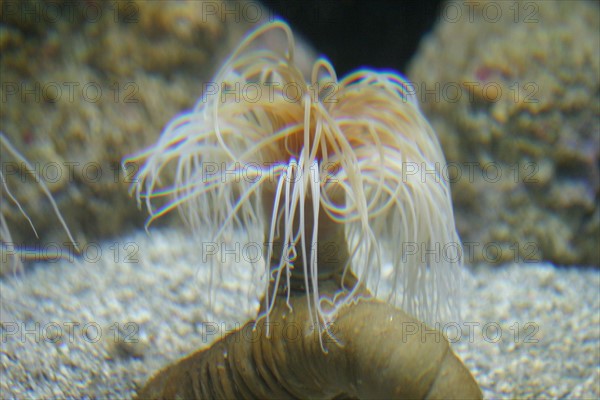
x,y
341,180
15,255
303,159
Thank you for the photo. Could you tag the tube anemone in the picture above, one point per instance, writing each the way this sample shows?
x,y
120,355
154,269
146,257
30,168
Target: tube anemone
x,y
16,255
348,165
342,179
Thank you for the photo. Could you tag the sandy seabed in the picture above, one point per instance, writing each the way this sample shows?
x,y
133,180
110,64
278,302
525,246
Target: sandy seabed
x,y
98,327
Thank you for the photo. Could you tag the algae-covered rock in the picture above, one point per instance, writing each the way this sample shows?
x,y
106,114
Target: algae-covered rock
x,y
512,89
86,83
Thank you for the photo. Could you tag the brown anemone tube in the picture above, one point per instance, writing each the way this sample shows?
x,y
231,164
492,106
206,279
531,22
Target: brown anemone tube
x,y
371,350
375,358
